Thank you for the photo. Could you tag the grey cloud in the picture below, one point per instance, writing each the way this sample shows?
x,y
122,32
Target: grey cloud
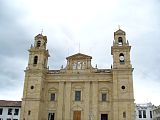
x,y
14,38
11,73
14,41
142,32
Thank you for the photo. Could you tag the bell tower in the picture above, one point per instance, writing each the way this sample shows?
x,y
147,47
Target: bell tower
x,y
123,96
121,50
38,55
34,84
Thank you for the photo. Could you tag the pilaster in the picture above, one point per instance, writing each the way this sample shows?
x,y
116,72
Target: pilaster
x,y
115,103
60,101
86,100
67,114
94,111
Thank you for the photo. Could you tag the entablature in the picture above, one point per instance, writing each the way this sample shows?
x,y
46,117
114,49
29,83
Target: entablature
x,y
79,77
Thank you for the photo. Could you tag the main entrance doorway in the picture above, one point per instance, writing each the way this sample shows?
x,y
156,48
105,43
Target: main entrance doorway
x,y
77,115
104,116
51,116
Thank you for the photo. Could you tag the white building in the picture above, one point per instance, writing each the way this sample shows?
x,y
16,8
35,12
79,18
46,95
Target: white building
x,y
10,110
156,113
144,111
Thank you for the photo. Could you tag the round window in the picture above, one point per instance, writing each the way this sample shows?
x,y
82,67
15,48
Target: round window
x,y
32,87
123,87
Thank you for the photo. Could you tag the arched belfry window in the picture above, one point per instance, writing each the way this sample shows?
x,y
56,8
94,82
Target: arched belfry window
x,y
121,58
38,43
120,41
35,60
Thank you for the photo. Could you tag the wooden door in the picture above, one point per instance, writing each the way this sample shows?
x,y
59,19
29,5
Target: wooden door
x,y
77,115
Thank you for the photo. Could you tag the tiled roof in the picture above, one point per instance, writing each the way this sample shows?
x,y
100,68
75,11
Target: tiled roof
x,y
6,103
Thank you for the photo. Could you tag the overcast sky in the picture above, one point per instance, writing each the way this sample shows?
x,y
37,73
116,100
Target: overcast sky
x,y
66,23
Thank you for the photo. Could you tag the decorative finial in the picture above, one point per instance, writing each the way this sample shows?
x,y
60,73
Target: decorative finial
x,y
62,67
41,31
31,46
119,27
68,51
79,48
96,65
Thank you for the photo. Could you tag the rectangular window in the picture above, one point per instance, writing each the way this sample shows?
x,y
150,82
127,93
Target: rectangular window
x,y
104,97
1,111
8,118
150,114
53,97
15,119
144,114
29,112
77,95
140,113
16,111
10,111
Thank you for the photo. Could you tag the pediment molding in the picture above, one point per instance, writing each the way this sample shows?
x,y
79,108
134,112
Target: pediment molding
x,y
79,56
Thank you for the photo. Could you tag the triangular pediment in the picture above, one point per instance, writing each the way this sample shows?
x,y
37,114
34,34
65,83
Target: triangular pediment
x,y
78,62
79,56
40,36
119,32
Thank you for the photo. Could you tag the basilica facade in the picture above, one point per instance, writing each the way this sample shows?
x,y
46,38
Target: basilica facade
x,y
78,91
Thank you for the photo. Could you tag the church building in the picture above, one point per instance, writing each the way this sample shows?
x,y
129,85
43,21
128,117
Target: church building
x,y
79,91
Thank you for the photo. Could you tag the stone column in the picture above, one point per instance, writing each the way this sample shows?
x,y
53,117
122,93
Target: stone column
x,y
95,100
86,95
60,101
67,101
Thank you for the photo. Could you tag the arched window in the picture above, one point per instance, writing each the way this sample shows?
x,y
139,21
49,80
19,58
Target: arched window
x,y
52,93
52,97
121,58
120,41
38,43
35,60
29,112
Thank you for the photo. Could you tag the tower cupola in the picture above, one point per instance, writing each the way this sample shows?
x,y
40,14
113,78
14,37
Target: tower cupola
x,y
40,41
38,57
121,50
120,38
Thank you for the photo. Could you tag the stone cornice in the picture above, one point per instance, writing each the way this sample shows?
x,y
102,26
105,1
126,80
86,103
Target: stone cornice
x,y
123,100
75,80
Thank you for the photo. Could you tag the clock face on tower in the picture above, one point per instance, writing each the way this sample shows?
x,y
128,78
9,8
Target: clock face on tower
x,y
121,58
